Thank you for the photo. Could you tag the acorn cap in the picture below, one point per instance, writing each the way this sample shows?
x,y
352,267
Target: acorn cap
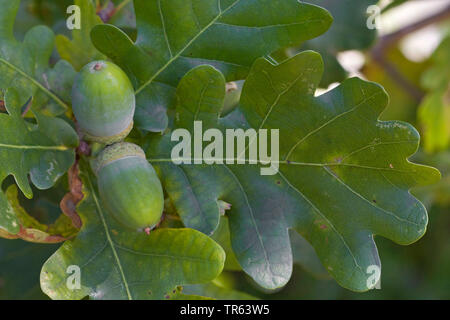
x,y
111,139
115,152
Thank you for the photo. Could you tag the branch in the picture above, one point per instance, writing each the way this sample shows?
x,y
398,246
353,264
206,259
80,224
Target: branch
x,y
378,52
394,37
109,10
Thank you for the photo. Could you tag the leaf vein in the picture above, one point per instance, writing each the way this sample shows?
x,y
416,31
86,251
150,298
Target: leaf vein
x,y
163,255
109,239
252,216
142,87
326,219
329,122
366,200
35,82
164,29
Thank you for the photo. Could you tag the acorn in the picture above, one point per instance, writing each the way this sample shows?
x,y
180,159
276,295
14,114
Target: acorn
x,y
128,186
103,102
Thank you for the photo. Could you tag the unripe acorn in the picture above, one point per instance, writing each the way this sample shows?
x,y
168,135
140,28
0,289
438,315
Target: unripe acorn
x,y
103,102
128,186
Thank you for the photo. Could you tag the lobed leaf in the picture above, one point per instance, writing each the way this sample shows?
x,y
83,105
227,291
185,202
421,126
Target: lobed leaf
x,y
343,178
349,31
175,36
119,264
80,51
24,66
45,151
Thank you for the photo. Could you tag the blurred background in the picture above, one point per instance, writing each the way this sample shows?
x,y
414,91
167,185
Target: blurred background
x,y
404,46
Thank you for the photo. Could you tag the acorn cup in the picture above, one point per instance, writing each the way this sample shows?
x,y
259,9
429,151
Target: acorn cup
x,y
128,186
103,102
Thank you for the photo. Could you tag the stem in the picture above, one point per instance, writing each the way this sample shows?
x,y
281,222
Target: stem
x,y
105,5
27,147
106,13
172,217
121,6
392,38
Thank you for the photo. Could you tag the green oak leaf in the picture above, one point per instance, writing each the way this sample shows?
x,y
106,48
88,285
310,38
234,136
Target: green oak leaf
x,y
343,178
80,51
45,151
303,253
349,31
176,35
120,264
24,65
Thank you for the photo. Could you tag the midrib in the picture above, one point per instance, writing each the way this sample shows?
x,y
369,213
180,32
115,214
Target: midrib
x,y
25,147
179,53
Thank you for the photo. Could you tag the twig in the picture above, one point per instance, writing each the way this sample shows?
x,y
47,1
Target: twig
x,y
392,38
108,11
121,6
378,52
172,217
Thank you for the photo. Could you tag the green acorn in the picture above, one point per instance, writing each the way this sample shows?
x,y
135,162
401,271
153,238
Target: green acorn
x,y
128,186
103,102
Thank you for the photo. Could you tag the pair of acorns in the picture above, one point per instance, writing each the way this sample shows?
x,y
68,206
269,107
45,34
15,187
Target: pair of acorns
x,y
103,103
